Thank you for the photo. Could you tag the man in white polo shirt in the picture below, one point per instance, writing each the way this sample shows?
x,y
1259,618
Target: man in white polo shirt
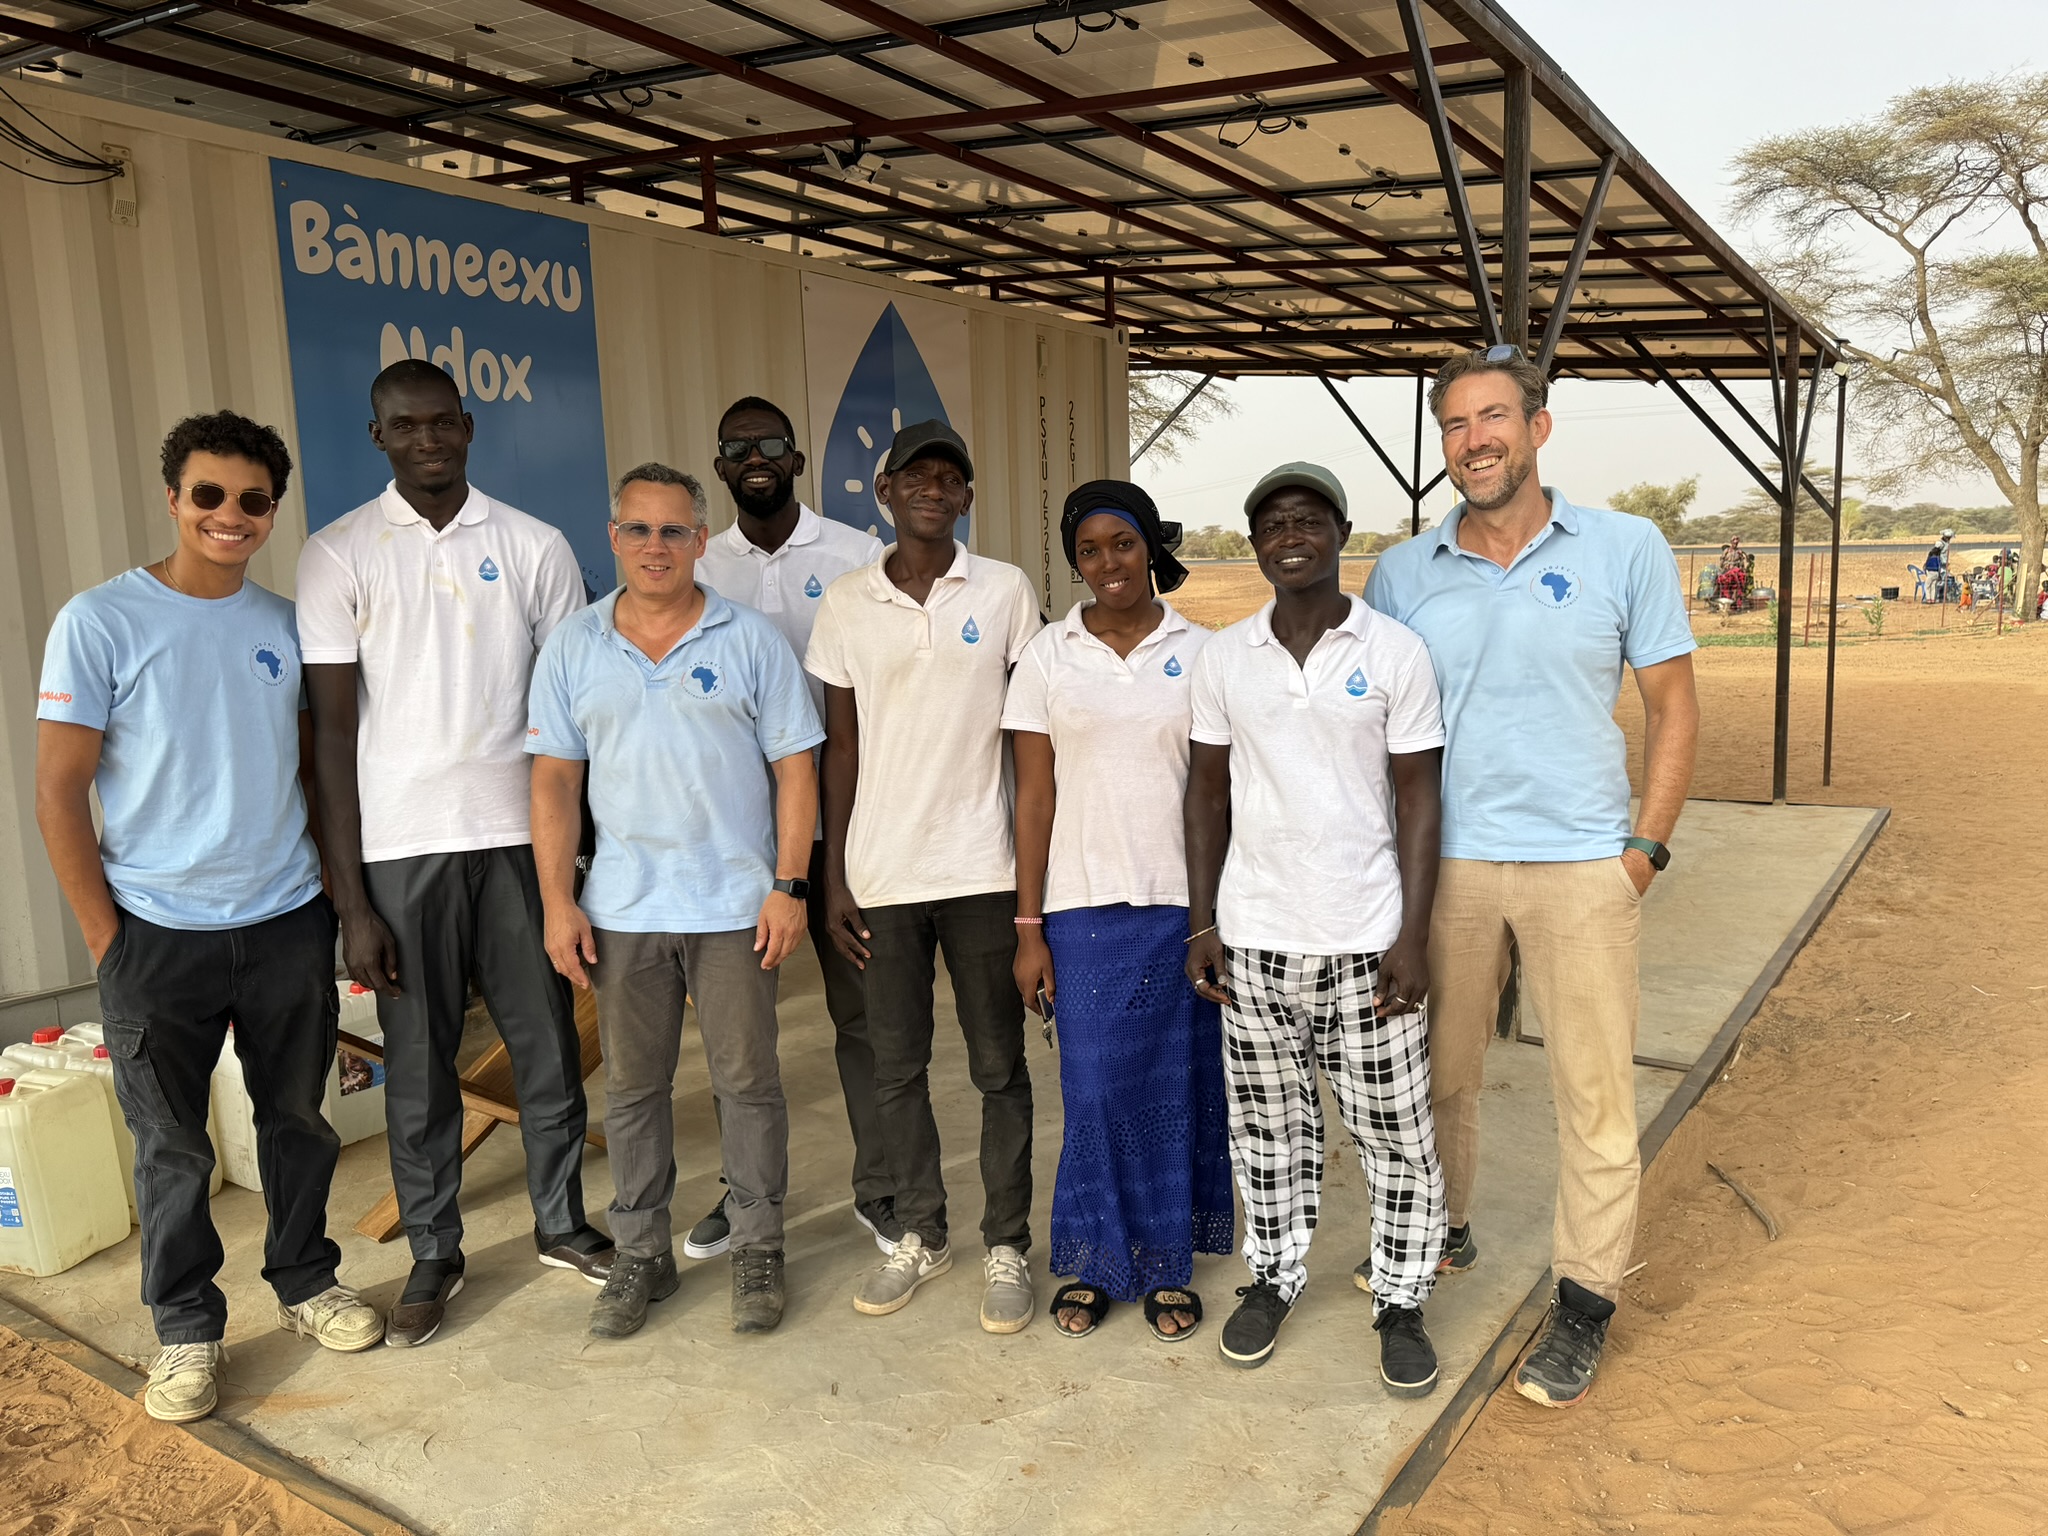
x,y
779,558
915,653
420,614
1317,744
691,716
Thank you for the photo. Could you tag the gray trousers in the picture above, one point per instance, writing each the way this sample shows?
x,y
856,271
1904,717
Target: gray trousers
x,y
642,980
454,914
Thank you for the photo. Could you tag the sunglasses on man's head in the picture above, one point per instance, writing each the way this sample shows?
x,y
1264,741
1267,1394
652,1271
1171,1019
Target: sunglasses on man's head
x,y
734,450
1500,353
207,496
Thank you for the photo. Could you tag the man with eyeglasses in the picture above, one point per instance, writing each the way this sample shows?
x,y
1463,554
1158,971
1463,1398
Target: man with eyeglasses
x,y
778,558
175,691
915,653
673,699
422,612
1530,607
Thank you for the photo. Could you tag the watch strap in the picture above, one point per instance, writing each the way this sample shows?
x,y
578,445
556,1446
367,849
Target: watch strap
x,y
1654,851
799,887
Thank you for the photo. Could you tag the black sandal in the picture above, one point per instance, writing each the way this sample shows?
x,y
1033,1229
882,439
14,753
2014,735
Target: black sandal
x,y
1086,1298
1169,1299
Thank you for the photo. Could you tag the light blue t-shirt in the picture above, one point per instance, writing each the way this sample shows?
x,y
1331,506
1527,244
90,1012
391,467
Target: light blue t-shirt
x,y
680,786
204,819
1528,661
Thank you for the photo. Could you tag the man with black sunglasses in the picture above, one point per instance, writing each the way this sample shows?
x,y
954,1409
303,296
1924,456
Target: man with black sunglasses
x,y
778,558
422,613
175,691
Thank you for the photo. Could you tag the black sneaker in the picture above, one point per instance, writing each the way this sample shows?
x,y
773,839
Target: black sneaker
x,y
1253,1329
1407,1358
756,1289
879,1217
1460,1254
621,1307
586,1250
711,1236
1559,1370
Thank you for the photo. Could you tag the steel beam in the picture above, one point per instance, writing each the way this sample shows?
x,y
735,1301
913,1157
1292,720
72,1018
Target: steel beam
x,y
1568,284
1827,733
1785,389
1174,415
116,26
1720,433
1438,119
1517,124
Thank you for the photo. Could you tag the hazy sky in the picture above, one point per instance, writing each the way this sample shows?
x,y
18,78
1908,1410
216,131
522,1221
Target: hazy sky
x,y
1689,86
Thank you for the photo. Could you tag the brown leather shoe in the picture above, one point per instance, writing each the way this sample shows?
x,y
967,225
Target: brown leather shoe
x,y
586,1250
424,1302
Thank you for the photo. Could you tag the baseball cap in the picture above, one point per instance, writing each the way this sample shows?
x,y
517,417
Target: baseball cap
x,y
1307,477
923,437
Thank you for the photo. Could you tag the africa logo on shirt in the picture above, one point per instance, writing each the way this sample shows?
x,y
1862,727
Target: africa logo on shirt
x,y
267,662
1555,586
1355,684
814,588
488,570
1173,667
970,632
706,681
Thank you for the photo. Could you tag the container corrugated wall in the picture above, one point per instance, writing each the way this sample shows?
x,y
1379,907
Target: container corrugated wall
x,y
110,333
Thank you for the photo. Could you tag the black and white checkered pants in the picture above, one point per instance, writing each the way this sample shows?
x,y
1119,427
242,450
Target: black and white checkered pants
x,y
1289,1012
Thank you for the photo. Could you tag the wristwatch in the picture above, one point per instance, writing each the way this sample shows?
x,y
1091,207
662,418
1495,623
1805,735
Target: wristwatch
x,y
799,888
1656,853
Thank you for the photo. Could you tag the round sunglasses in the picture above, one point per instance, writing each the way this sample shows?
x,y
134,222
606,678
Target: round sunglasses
x,y
207,497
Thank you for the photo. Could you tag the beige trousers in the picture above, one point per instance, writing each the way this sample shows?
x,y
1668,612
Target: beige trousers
x,y
1577,926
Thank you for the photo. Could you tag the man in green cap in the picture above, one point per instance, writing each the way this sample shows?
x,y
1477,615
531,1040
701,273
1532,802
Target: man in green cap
x,y
1318,743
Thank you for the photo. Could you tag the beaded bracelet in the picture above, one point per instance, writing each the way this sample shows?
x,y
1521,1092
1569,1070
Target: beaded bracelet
x,y
1036,922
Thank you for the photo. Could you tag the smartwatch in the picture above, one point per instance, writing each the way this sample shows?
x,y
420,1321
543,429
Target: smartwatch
x,y
1656,853
799,888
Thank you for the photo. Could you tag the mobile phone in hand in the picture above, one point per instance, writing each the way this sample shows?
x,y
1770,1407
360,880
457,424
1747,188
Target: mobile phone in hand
x,y
1045,1013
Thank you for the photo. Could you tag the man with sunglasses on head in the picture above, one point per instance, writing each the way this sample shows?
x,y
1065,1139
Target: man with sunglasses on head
x,y
422,612
175,691
691,716
1530,606
915,653
778,558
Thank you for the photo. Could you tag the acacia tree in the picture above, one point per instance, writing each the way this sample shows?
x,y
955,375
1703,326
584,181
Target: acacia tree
x,y
1664,505
1153,397
1925,230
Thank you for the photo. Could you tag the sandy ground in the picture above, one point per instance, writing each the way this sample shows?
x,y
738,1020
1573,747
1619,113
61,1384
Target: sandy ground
x,y
78,1459
1882,1366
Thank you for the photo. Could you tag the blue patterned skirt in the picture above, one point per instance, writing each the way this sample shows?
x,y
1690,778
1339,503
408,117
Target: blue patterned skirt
x,y
1144,1180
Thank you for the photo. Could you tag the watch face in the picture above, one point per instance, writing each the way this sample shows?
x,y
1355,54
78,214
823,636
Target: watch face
x,y
800,889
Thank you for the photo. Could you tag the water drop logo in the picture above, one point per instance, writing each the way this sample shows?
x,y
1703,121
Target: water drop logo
x,y
814,588
488,570
1355,684
970,632
888,386
1173,667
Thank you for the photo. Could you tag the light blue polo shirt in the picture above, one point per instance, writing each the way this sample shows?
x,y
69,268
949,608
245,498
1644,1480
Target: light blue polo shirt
x,y
678,750
1528,661
199,699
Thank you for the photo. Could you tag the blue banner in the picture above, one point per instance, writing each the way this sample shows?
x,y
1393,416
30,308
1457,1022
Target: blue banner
x,y
498,298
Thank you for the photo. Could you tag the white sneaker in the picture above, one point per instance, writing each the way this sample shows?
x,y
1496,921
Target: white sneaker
x,y
890,1288
182,1384
1006,1299
337,1318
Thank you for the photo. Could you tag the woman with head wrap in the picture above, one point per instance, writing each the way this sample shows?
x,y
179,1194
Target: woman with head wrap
x,y
1099,712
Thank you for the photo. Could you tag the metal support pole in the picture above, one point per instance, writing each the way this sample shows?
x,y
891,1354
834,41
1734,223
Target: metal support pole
x,y
1430,95
1415,486
1174,415
1720,434
1365,432
707,184
1109,298
1567,286
1786,383
1827,733
1517,103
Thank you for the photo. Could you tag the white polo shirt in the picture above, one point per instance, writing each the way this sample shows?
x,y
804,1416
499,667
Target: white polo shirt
x,y
1119,730
443,629
931,812
789,584
1312,867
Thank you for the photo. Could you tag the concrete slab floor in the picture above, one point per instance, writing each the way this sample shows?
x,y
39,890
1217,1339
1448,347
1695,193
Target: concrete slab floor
x,y
514,1420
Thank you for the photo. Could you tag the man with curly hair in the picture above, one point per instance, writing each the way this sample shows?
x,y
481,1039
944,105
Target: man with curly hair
x,y
174,690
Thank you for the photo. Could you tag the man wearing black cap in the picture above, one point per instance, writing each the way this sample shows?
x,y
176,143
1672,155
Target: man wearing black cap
x,y
1318,741
915,652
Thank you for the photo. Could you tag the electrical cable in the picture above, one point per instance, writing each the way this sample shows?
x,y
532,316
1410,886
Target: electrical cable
x,y
50,157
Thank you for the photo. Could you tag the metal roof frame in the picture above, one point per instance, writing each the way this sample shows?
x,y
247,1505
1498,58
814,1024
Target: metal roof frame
x,y
1120,178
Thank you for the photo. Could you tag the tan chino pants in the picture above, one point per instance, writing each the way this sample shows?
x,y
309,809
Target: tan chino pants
x,y
1577,925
